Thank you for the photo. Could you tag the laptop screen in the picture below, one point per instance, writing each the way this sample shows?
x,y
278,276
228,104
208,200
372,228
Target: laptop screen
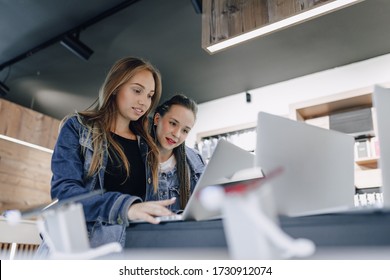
x,y
226,160
318,165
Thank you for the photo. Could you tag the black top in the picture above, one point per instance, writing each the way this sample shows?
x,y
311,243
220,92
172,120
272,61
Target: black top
x,y
115,179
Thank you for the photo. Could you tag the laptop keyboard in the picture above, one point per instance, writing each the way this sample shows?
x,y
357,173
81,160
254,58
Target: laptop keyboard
x,y
170,218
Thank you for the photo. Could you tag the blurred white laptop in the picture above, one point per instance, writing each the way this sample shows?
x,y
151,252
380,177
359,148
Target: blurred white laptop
x,y
318,165
226,161
381,102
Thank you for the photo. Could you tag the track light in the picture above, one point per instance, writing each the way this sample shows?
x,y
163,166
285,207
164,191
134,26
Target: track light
x,y
3,89
89,22
77,47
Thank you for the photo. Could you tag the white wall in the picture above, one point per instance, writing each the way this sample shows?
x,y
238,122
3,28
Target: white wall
x,y
276,98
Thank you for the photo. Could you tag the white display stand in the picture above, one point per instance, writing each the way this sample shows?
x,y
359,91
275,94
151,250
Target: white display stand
x,y
250,222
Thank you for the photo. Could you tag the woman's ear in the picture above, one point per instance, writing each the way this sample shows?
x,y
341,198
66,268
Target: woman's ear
x,y
156,119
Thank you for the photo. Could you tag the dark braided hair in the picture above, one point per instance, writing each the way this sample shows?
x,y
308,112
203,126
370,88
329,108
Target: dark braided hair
x,y
179,152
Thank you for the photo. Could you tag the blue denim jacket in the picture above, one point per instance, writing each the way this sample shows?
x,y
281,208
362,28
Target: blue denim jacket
x,y
106,214
169,185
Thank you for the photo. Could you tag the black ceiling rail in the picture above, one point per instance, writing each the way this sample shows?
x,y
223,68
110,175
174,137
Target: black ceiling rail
x,y
75,30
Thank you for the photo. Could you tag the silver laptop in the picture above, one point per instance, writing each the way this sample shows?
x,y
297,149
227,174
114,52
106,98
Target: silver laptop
x,y
318,165
381,102
226,161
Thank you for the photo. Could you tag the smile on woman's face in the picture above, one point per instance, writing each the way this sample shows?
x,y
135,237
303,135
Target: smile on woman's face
x,y
135,96
172,129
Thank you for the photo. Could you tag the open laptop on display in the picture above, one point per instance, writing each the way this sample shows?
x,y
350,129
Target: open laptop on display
x,y
381,102
226,160
318,165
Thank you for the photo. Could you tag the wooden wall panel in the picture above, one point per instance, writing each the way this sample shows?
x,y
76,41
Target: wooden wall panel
x,y
223,19
281,9
25,172
25,176
27,125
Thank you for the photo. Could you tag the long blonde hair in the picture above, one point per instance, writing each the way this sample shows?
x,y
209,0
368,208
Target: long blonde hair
x,y
100,118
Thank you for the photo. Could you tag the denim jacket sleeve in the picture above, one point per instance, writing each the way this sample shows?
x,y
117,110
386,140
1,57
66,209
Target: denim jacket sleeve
x,y
197,165
69,168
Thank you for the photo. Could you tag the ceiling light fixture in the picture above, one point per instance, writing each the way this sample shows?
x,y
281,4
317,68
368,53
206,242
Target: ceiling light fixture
x,y
77,47
62,36
284,23
3,89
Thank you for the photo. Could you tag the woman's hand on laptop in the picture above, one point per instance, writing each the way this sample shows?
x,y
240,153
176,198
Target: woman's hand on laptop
x,y
147,211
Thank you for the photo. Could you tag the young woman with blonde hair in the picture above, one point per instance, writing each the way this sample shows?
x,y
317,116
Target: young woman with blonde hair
x,y
109,148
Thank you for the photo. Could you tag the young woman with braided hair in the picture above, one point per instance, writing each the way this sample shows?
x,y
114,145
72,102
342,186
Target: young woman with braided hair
x,y
180,166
